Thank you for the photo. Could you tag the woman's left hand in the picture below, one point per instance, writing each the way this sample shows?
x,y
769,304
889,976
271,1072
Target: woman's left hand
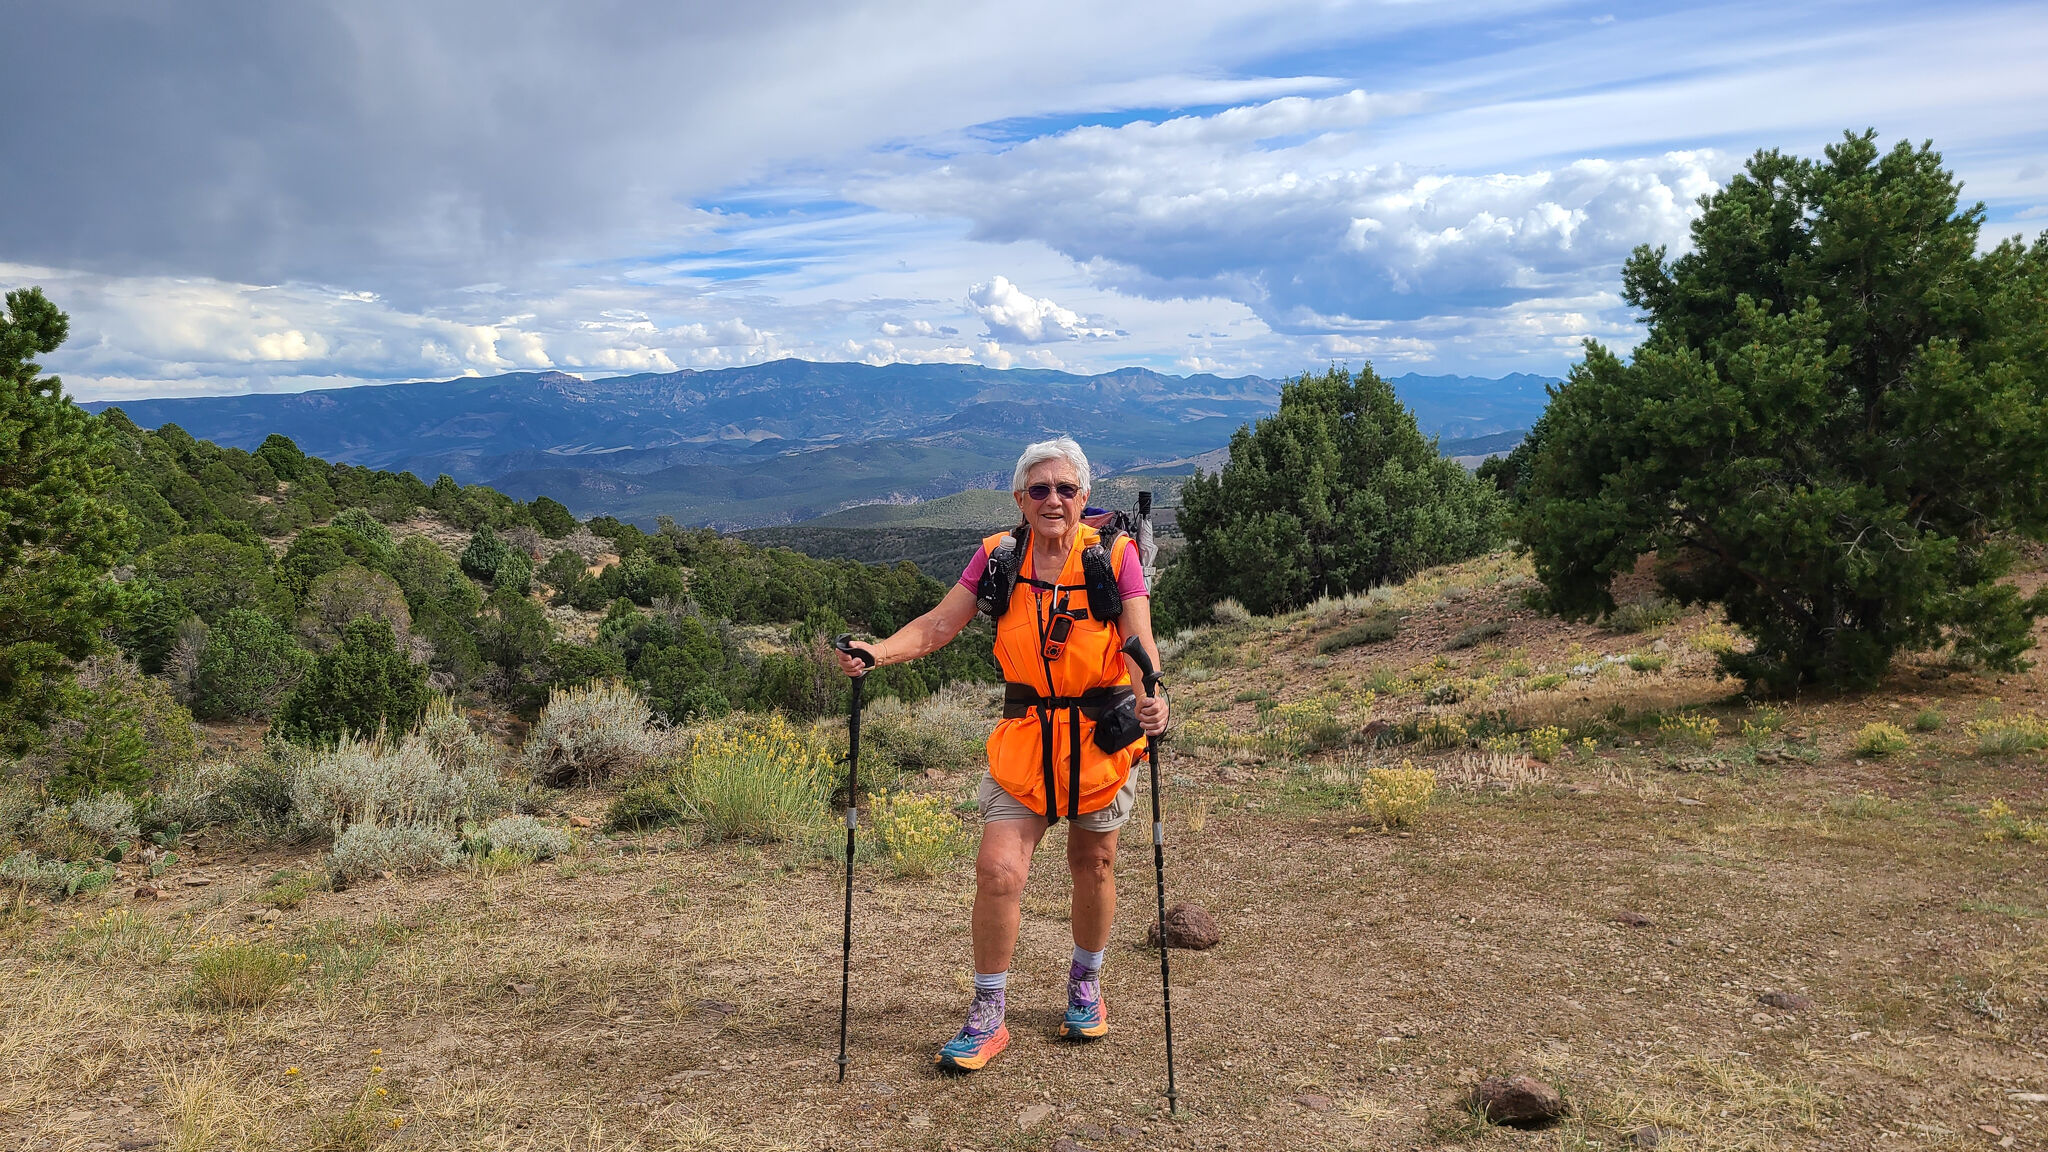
x,y
1152,714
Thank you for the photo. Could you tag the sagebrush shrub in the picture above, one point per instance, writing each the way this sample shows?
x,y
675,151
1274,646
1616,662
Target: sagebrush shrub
x,y
368,849
529,836
938,734
1395,796
591,735
380,782
108,818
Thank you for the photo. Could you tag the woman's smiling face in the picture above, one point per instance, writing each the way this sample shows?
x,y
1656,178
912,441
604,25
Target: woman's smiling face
x,y
1054,517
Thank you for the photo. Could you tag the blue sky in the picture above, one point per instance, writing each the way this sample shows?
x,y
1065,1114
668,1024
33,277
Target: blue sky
x,y
228,198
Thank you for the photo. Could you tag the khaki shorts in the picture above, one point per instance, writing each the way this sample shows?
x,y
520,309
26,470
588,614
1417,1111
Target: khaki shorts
x,y
998,804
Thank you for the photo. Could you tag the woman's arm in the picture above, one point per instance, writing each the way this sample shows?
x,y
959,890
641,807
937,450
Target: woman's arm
x,y
1137,621
922,636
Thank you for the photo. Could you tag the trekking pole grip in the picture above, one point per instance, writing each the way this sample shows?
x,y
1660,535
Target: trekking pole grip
x,y
844,642
1135,649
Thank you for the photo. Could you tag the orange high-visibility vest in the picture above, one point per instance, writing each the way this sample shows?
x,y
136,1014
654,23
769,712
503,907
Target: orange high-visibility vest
x,y
1053,740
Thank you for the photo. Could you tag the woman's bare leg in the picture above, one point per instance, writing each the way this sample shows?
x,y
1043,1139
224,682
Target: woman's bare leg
x,y
1001,867
1091,857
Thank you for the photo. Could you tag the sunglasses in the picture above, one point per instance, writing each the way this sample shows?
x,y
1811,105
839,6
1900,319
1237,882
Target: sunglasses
x,y
1041,491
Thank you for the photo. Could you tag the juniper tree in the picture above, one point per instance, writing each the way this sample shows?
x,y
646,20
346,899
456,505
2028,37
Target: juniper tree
x,y
1834,429
59,532
1334,493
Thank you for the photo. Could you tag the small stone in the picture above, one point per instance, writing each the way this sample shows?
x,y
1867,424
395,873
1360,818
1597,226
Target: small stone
x,y
582,822
1084,1130
519,989
146,892
2027,1097
1633,919
198,881
1516,1100
1760,1018
1033,1116
1187,926
1786,1001
1313,1102
1652,1136
1691,803
717,1009
919,1120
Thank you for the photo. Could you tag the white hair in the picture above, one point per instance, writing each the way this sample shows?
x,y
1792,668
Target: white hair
x,y
1059,448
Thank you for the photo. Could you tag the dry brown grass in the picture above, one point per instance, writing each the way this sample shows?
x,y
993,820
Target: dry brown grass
x,y
651,995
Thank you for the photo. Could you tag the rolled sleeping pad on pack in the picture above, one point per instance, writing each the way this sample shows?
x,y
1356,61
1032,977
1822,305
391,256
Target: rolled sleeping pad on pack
x,y
1147,550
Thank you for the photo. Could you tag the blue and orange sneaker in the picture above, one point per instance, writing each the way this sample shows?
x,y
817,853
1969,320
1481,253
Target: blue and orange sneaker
x,y
1087,1012
980,1040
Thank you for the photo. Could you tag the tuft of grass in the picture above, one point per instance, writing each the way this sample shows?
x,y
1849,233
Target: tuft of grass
x,y
1374,630
289,887
1928,720
1880,739
206,1111
753,779
234,975
919,834
1647,662
1439,731
1486,630
1229,611
2004,824
1395,796
1547,682
1687,730
1763,723
1642,616
2008,736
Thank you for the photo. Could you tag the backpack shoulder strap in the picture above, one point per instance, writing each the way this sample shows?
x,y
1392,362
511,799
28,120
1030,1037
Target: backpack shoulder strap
x,y
1099,569
999,578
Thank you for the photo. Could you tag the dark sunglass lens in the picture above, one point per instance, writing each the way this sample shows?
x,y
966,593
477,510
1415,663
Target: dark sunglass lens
x,y
1041,491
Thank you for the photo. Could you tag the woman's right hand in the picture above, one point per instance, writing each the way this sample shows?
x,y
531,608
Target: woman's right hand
x,y
853,665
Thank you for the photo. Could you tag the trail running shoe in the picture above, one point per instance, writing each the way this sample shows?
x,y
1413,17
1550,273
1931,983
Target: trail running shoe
x,y
978,1043
1087,1012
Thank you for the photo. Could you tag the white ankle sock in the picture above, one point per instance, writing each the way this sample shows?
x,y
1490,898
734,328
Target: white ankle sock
x,y
991,981
1089,961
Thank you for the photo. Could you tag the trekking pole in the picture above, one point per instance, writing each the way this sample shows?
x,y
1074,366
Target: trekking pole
x,y
845,644
1136,651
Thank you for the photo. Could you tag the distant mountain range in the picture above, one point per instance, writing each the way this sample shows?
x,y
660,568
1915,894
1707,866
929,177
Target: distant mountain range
x,y
786,441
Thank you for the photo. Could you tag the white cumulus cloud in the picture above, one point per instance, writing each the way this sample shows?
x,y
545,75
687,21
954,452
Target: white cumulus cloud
x,y
1285,207
1012,314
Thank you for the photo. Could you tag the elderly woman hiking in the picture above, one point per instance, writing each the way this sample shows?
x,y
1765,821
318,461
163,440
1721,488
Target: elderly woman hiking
x,y
1064,598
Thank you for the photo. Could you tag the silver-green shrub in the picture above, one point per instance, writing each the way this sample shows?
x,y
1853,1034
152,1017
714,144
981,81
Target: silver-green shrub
x,y
527,835
590,735
378,782
368,849
108,818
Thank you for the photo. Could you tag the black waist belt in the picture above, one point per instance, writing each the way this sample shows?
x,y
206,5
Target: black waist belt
x,y
1023,699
